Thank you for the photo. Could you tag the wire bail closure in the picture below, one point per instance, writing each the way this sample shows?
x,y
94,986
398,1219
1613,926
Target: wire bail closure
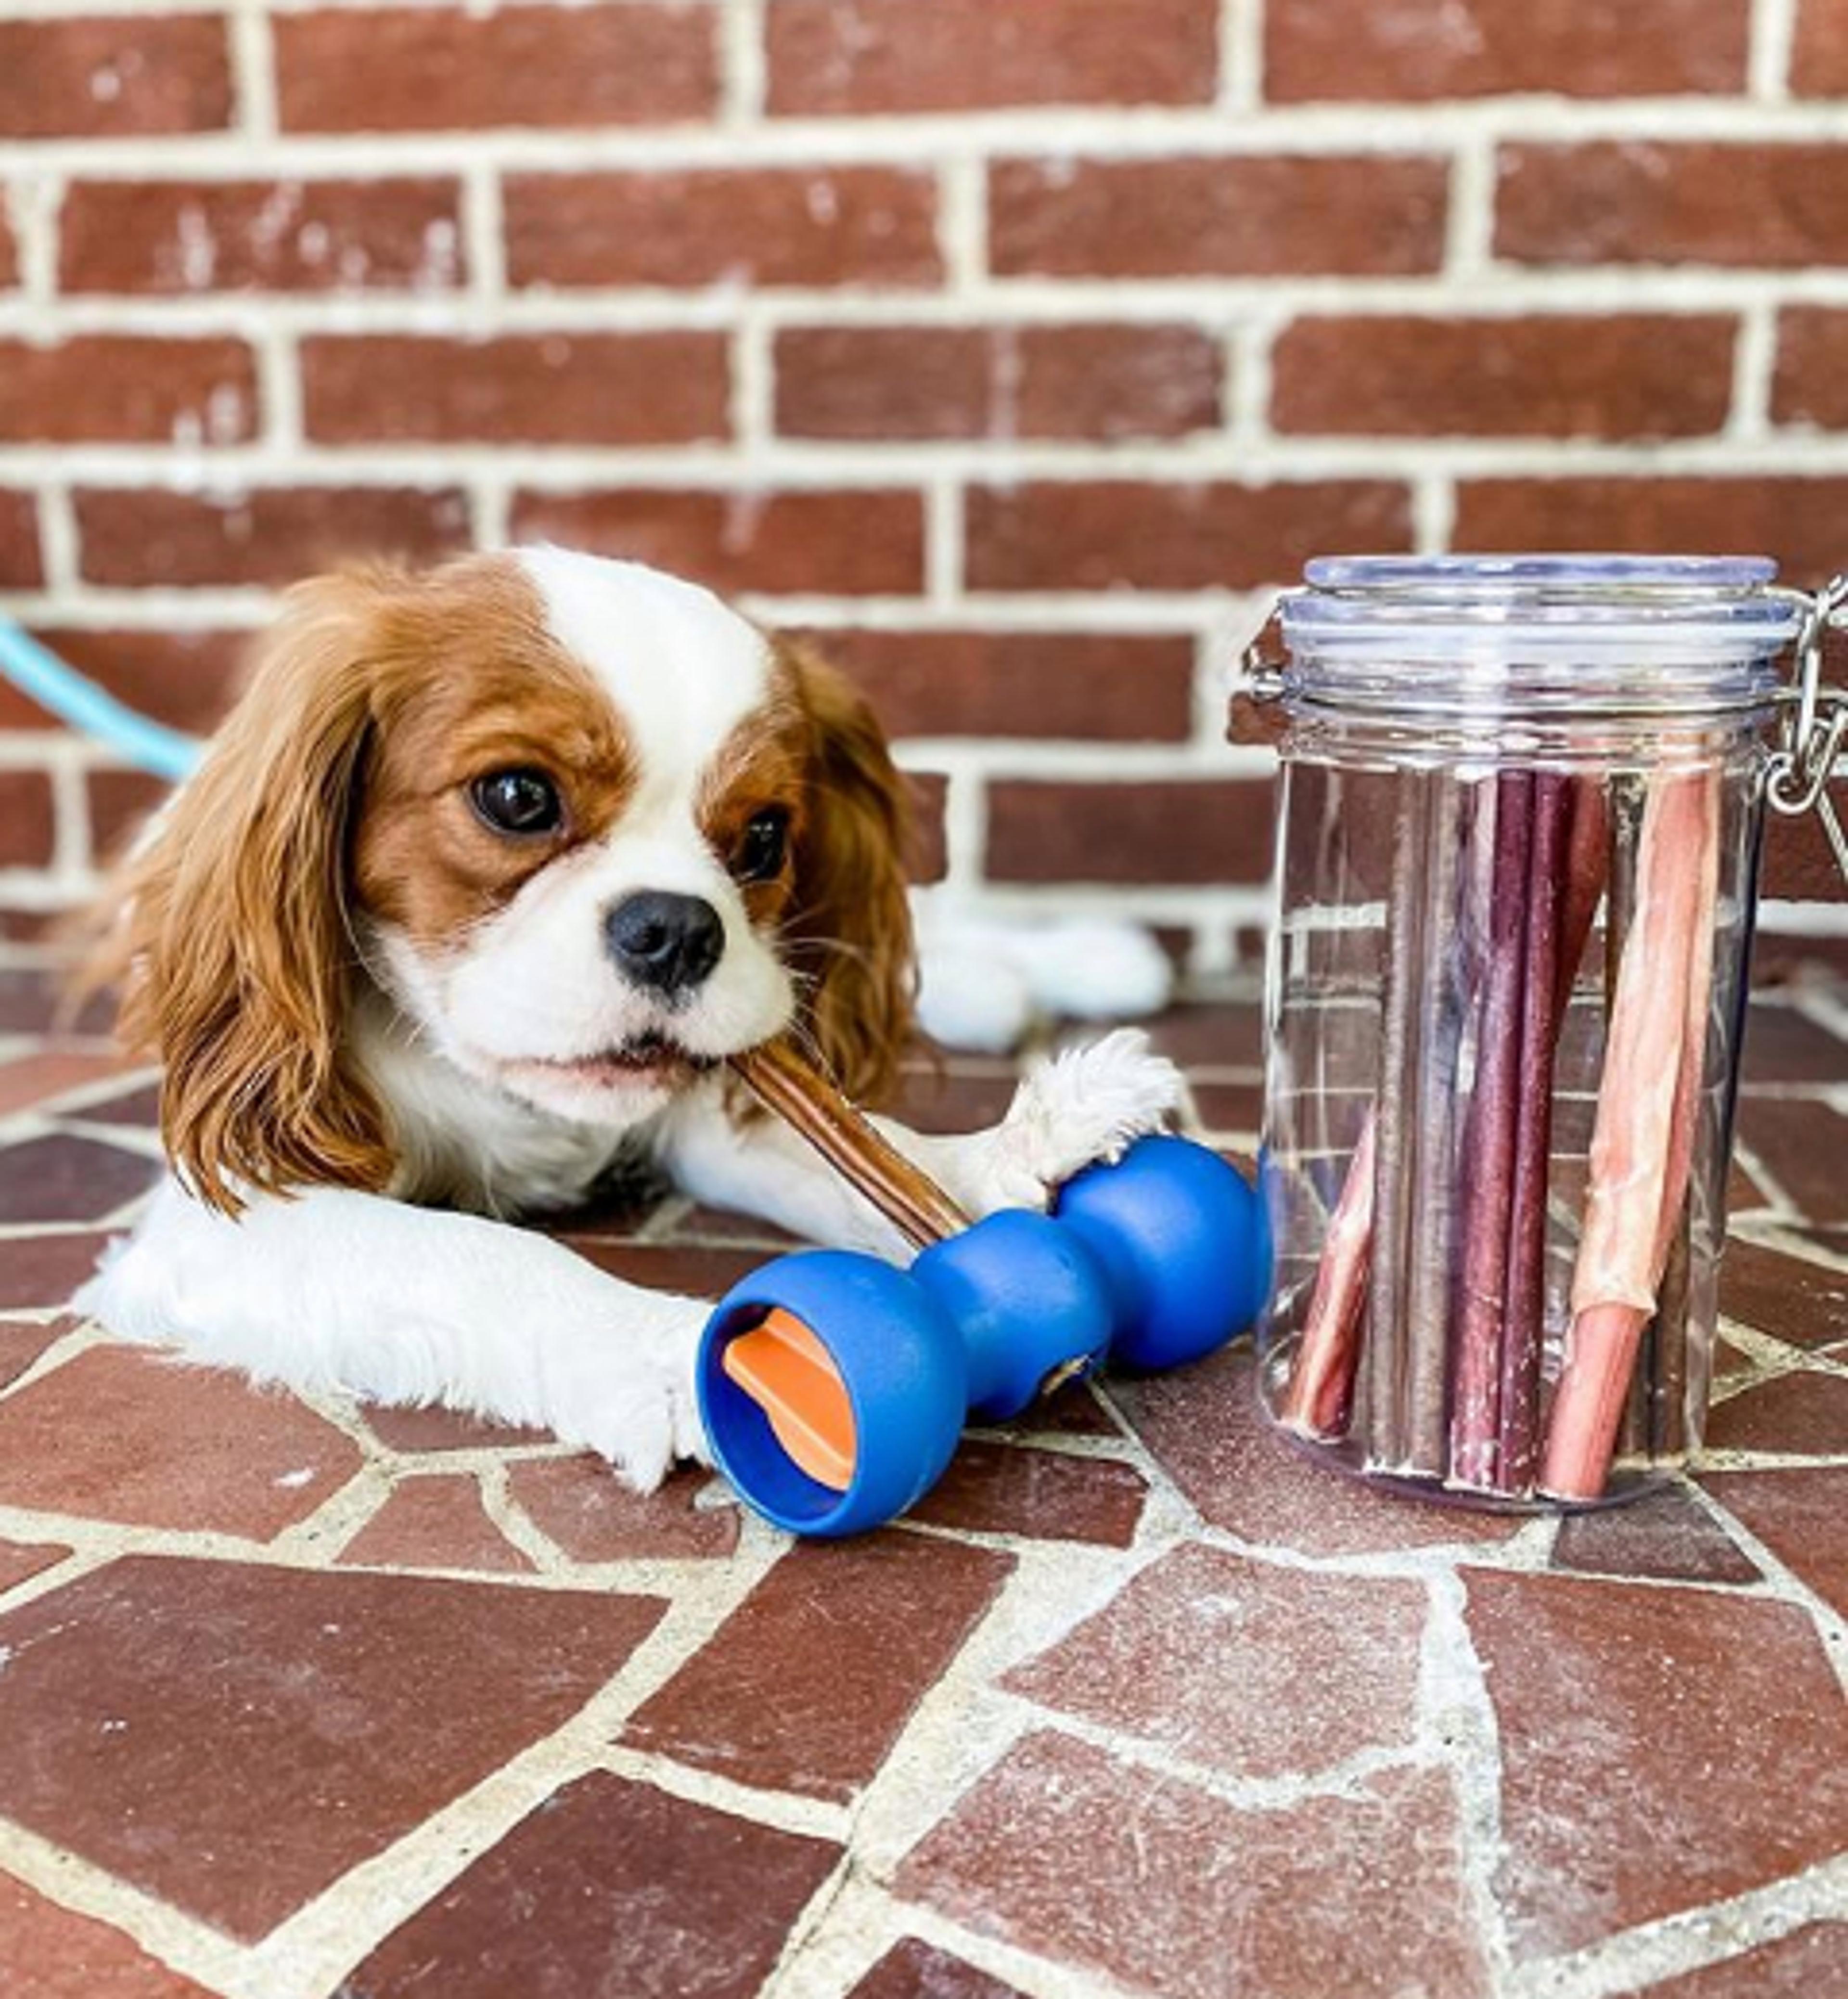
x,y
1797,778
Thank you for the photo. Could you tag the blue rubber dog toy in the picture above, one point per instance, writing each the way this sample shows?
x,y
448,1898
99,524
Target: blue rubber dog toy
x,y
833,1388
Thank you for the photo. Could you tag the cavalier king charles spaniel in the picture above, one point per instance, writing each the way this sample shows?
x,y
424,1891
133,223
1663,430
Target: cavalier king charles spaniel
x,y
483,877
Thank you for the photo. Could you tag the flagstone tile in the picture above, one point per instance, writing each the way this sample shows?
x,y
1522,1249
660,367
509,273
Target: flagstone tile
x,y
233,1738
434,1522
1006,1488
1242,1666
807,1685
610,1890
49,1952
61,1177
131,1434
1115,1868
1203,1422
1649,1738
584,1509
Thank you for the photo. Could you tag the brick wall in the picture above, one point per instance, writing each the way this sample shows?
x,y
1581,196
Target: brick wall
x,y
1019,345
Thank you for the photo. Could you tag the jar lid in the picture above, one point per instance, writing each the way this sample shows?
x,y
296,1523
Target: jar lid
x,y
1660,633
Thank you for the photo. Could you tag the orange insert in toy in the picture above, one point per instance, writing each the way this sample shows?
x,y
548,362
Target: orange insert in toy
x,y
787,1372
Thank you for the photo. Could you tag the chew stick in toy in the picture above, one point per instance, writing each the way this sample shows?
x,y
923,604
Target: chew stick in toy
x,y
804,1099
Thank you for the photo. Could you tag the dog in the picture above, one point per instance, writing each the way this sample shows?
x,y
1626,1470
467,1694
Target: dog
x,y
484,876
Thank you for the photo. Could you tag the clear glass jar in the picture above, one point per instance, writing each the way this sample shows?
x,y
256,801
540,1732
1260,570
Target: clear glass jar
x,y
1518,831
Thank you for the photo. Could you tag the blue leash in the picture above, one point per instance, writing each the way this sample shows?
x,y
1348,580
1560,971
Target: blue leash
x,y
60,690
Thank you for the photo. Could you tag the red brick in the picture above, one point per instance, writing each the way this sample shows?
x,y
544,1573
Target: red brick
x,y
1698,1705
40,1270
610,1888
1045,1495
1785,1046
20,1560
1241,216
382,69
1201,1655
777,1699
41,1079
1784,207
1787,1297
1047,685
1419,51
914,1970
1164,1888
1797,520
1801,1146
823,542
158,236
843,57
141,539
821,226
1798,1516
437,1522
232,1738
1667,1536
121,1434
1181,830
40,1940
578,1503
114,77
1800,865
1630,375
1819,59
1001,382
1203,1424
1803,1414
21,1343
118,801
578,388
929,859
1803,1964
433,1428
22,564
185,679
1116,534
27,819
1812,358
126,388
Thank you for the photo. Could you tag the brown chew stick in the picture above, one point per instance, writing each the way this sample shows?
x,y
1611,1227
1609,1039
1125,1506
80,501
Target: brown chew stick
x,y
809,1104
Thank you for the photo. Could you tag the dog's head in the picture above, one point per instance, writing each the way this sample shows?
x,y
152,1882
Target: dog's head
x,y
587,827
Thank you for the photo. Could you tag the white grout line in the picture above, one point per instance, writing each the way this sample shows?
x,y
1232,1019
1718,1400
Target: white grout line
x,y
1773,33
1097,131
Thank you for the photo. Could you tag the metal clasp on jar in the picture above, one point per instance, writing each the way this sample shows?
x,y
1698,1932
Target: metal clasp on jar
x,y
1802,767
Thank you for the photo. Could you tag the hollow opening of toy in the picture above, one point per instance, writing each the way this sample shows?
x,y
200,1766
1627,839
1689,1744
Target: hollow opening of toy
x,y
785,1369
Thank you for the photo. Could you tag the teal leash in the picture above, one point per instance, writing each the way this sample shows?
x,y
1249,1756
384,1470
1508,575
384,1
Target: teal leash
x,y
58,688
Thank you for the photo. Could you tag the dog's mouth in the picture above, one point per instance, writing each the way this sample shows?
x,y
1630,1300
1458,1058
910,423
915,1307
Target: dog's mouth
x,y
650,1058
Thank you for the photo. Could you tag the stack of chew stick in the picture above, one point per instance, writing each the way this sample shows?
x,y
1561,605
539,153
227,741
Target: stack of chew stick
x,y
1426,1339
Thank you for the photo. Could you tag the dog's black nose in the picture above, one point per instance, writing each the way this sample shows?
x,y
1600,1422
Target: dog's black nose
x,y
668,943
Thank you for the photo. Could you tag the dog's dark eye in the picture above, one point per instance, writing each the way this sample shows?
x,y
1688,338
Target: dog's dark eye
x,y
517,802
759,854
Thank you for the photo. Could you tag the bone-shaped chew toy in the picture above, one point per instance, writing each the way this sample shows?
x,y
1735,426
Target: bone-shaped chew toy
x,y
833,1387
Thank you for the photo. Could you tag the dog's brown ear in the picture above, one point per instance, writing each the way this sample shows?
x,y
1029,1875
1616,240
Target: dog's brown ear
x,y
849,933
231,941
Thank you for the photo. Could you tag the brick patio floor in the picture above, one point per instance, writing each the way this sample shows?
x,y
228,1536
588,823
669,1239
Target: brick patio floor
x,y
298,1700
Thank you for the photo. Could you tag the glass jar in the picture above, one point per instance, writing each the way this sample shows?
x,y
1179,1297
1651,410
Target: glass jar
x,y
1518,834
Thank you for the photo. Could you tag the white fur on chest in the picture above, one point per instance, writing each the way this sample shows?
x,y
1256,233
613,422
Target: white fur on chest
x,y
467,1144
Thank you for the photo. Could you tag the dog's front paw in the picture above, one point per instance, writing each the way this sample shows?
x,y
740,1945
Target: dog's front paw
x,y
632,1401
1086,1104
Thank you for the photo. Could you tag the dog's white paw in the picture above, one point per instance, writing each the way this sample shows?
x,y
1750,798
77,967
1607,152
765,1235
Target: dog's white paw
x,y
1083,1105
629,1396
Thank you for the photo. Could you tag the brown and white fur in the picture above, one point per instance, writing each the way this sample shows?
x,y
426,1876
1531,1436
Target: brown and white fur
x,y
387,1023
